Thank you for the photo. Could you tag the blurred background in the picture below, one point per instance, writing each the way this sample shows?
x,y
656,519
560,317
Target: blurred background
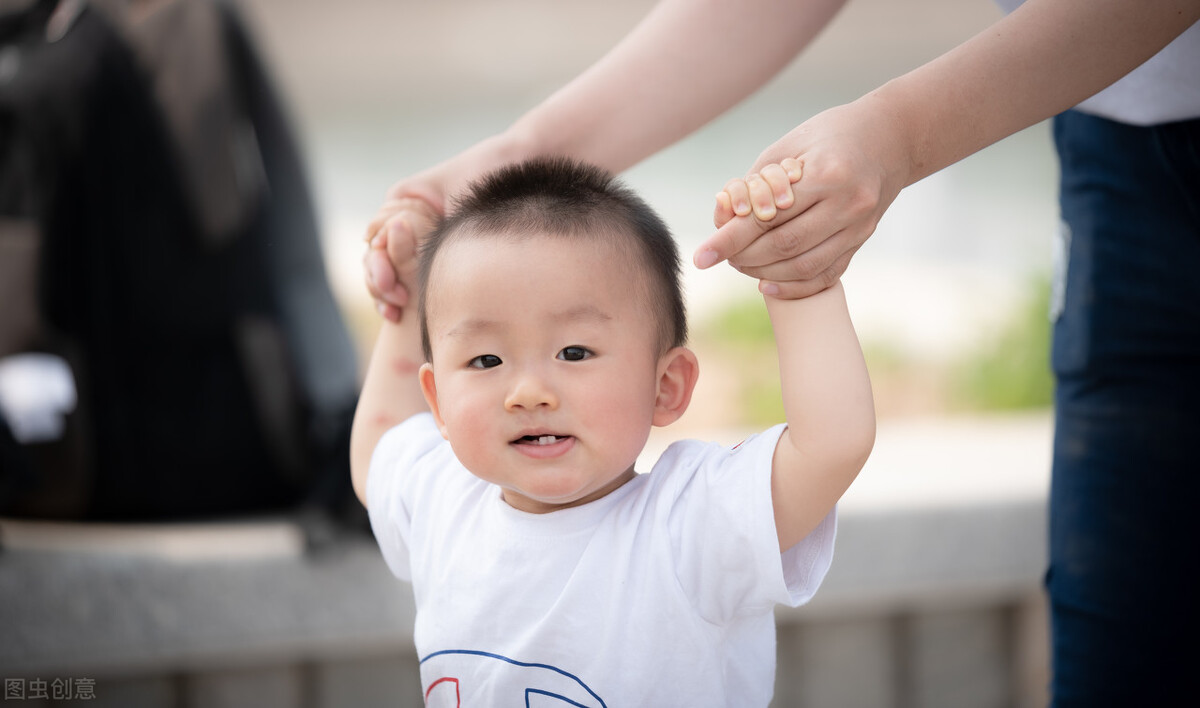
x,y
935,597
383,89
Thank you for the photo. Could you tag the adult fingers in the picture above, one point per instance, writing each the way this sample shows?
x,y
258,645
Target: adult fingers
x,y
807,265
389,294
723,211
375,226
390,260
796,289
738,234
728,240
380,278
405,231
379,274
856,216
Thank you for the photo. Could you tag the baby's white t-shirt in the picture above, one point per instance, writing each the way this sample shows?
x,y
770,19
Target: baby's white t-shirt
x,y
658,594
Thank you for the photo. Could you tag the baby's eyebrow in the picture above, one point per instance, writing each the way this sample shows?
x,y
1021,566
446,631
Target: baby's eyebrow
x,y
480,325
583,312
472,326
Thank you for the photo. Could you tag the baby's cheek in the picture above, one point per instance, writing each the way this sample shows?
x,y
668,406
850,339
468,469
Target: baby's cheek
x,y
467,439
627,418
465,426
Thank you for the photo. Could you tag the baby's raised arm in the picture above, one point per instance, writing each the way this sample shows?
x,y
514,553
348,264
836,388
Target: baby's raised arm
x,y
391,392
826,390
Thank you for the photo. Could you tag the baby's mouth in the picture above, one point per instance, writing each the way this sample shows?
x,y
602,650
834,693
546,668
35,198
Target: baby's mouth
x,y
539,440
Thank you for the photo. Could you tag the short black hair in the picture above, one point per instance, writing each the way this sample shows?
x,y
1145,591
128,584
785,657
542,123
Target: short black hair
x,y
573,199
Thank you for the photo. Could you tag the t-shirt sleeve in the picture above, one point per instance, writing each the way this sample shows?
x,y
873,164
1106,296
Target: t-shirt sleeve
x,y
389,485
723,528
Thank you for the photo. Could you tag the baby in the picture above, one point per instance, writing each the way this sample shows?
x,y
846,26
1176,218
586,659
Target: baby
x,y
547,571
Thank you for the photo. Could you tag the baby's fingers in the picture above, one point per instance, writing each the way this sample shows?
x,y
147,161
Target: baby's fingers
x,y
793,167
739,196
762,197
375,235
762,194
779,181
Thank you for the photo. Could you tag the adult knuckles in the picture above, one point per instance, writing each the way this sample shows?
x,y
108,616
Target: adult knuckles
x,y
785,240
806,269
828,277
842,178
797,289
831,169
863,201
738,234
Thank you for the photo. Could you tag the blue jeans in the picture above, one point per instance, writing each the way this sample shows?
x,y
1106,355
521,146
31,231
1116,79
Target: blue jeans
x,y
1124,576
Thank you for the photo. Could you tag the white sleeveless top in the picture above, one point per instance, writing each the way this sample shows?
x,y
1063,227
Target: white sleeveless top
x,y
1164,89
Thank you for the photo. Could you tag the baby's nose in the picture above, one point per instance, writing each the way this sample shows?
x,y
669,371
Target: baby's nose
x,y
531,391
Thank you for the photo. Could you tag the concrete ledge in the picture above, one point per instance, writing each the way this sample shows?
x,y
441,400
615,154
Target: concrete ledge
x,y
163,597
917,558
934,598
82,611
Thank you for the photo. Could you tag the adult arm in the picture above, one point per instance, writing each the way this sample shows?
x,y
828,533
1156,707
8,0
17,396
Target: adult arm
x,y
684,64
1045,57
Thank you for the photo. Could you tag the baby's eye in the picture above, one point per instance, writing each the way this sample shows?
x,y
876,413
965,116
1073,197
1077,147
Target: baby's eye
x,y
575,354
484,361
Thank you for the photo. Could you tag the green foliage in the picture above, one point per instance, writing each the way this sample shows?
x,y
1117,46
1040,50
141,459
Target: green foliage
x,y
744,324
742,337
884,358
1010,372
1014,371
762,401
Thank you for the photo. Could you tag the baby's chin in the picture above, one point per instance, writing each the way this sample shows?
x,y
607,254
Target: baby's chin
x,y
544,502
538,505
547,498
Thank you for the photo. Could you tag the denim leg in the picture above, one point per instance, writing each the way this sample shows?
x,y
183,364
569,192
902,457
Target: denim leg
x,y
1123,581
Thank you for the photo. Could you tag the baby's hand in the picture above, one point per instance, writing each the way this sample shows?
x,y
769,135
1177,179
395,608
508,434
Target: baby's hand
x,y
761,193
389,265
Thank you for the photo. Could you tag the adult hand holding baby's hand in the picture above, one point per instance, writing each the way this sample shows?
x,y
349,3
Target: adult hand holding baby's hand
x,y
853,160
411,210
390,263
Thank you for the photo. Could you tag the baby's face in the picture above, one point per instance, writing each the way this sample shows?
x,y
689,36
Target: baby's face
x,y
544,367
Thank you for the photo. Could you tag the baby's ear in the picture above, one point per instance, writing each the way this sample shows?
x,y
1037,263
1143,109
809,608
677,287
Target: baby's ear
x,y
429,388
678,371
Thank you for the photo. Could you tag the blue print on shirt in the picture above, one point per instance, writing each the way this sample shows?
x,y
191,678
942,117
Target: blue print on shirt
x,y
533,685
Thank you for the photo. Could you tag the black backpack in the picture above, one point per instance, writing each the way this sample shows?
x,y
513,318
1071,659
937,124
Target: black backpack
x,y
159,264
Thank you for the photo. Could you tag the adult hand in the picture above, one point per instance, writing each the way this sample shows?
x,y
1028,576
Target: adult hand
x,y
854,161
411,210
389,265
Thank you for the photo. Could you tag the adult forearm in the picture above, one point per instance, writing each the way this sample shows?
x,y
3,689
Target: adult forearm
x,y
1045,57
686,62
